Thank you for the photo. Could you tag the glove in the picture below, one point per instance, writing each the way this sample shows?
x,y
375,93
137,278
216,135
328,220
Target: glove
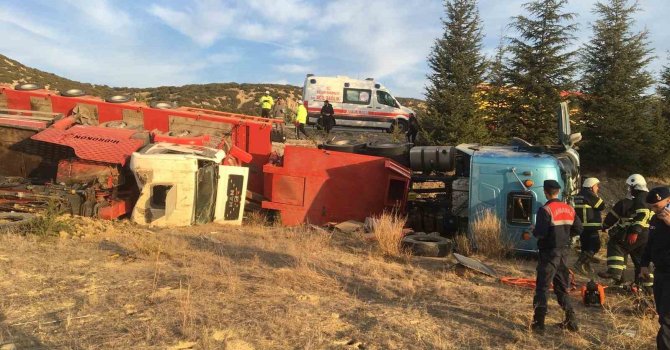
x,y
632,238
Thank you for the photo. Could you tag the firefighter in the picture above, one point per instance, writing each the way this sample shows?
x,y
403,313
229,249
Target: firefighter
x,y
266,104
300,120
555,222
327,118
589,206
658,252
628,225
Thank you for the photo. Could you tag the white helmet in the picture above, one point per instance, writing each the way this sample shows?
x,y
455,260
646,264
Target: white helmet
x,y
590,182
267,92
636,181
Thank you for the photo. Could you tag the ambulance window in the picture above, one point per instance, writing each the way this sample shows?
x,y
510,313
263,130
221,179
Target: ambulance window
x,y
357,96
385,98
519,208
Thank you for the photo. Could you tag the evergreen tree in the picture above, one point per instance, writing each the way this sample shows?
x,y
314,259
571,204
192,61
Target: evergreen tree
x,y
496,99
622,126
664,93
541,66
457,69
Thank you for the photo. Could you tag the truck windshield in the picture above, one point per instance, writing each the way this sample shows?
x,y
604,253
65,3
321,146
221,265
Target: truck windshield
x,y
385,98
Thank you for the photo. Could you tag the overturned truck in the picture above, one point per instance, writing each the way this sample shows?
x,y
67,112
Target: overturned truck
x,y
160,164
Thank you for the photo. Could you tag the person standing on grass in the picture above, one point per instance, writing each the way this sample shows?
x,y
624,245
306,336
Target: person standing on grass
x,y
657,251
300,120
327,119
589,207
554,224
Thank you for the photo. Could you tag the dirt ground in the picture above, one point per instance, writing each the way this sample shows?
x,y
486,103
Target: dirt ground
x,y
103,285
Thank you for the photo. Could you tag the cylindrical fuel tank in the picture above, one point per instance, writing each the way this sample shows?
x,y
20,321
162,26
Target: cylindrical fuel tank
x,y
432,158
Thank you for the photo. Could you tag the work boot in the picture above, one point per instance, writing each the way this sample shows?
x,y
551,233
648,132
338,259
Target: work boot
x,y
570,322
538,323
582,264
611,275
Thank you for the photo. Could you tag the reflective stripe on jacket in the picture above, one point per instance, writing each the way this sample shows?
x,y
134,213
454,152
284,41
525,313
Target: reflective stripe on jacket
x,y
554,224
589,207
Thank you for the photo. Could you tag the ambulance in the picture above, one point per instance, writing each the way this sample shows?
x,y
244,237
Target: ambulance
x,y
357,103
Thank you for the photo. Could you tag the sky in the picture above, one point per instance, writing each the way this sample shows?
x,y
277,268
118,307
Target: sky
x,y
147,43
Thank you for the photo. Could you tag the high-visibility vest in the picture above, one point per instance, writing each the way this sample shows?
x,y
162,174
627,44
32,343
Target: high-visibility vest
x,y
267,102
301,114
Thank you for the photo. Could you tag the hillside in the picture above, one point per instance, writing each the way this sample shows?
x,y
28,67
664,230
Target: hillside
x,y
227,97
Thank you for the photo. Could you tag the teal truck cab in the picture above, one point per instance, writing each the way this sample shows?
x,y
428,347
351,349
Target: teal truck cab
x,y
469,180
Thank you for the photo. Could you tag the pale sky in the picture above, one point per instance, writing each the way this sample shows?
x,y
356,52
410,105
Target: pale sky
x,y
150,43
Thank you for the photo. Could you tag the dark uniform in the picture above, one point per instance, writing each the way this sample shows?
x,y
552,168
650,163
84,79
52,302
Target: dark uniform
x,y
327,120
589,206
412,128
657,251
628,218
554,223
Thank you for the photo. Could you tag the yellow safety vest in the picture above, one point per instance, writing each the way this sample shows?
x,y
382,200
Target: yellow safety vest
x,y
267,102
301,114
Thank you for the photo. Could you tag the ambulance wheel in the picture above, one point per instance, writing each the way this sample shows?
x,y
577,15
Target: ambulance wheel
x,y
350,146
421,244
15,220
399,125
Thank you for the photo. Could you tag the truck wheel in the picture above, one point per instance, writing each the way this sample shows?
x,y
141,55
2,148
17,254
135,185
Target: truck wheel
x,y
350,146
118,99
27,87
15,220
387,149
399,125
422,244
73,93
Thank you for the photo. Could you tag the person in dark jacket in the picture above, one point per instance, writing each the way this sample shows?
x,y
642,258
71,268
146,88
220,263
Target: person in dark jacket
x,y
412,128
657,251
589,206
327,119
555,224
628,226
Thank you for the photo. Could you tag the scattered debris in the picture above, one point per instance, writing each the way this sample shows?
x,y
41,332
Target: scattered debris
x,y
430,245
350,226
475,265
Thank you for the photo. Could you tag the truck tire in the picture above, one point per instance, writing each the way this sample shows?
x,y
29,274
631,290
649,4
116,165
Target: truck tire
x,y
162,105
27,87
350,146
421,244
118,99
73,93
401,125
10,221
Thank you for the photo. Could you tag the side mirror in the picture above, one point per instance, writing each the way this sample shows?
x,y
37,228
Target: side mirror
x,y
574,138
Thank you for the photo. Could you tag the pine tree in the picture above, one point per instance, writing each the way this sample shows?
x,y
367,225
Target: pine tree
x,y
496,99
457,69
540,68
622,126
664,92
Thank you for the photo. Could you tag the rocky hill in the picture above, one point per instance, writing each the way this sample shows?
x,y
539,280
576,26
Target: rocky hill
x,y
228,97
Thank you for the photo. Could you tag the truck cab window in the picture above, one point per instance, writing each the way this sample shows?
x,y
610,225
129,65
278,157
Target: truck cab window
x,y
385,98
357,96
159,196
519,208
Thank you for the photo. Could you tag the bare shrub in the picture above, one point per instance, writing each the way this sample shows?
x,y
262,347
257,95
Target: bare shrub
x,y
387,229
463,245
488,235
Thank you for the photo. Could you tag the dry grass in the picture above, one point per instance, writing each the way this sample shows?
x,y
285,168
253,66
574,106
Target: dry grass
x,y
119,286
488,235
388,230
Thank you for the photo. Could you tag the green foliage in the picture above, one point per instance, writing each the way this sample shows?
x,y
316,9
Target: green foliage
x,y
496,100
541,66
622,123
48,223
664,93
457,69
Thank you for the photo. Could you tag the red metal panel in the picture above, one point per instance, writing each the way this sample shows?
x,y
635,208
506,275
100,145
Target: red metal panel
x,y
116,209
25,124
94,143
338,186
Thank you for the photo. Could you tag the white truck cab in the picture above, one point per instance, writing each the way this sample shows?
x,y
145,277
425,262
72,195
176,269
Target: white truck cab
x,y
182,185
357,103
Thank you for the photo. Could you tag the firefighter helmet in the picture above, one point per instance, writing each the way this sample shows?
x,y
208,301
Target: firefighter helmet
x,y
590,182
637,182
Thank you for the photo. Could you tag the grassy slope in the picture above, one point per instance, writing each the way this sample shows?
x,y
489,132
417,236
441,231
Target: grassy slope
x,y
260,287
